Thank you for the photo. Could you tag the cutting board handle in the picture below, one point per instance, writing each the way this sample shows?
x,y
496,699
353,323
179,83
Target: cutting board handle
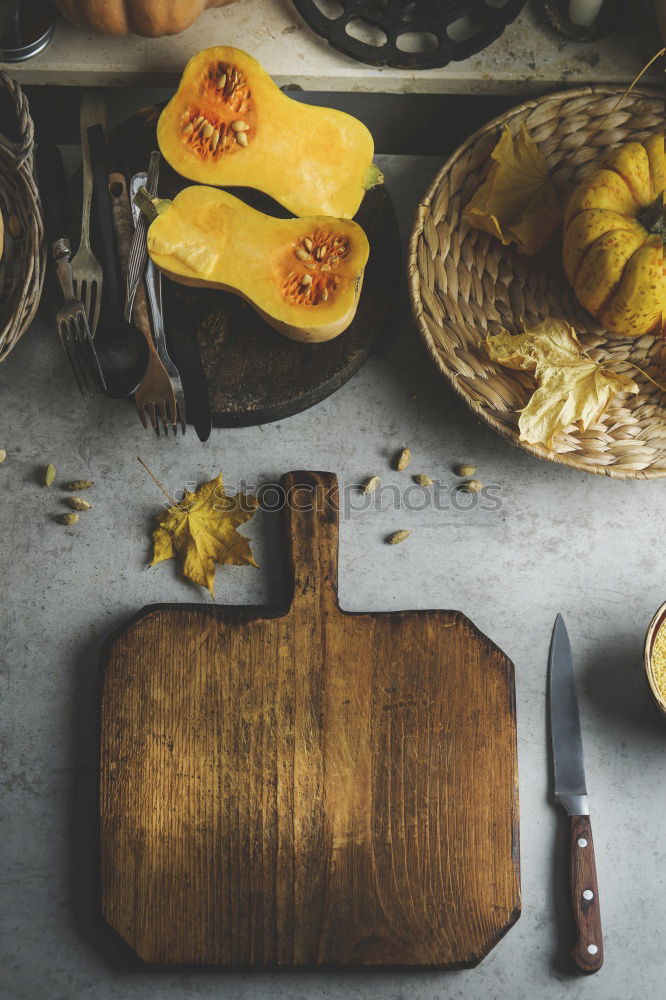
x,y
311,507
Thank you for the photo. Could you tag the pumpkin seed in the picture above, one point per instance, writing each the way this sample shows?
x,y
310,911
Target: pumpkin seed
x,y
79,484
403,459
221,81
302,254
49,474
471,486
398,536
215,140
240,126
325,267
66,518
3,455
241,138
320,251
78,503
207,130
306,280
370,484
307,243
188,129
198,121
342,249
323,295
422,480
464,470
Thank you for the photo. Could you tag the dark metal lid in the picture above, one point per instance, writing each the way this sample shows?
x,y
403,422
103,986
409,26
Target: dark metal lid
x,y
26,31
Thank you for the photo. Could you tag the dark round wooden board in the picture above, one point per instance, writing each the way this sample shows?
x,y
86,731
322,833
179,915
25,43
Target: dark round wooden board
x,y
255,374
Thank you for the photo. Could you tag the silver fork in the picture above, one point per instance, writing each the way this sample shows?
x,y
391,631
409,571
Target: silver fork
x,y
154,289
73,329
87,273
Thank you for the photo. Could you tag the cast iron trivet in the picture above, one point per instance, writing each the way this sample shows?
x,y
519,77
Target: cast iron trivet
x,y
481,22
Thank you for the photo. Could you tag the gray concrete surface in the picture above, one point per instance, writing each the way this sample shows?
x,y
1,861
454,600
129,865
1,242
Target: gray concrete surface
x,y
560,541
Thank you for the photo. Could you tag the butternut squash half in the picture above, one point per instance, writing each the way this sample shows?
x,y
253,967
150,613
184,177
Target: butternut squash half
x,y
228,124
303,276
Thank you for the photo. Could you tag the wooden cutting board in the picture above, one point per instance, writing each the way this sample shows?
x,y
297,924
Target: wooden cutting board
x,y
303,786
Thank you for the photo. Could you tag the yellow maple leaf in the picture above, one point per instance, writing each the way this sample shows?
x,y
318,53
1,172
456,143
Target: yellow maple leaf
x,y
518,202
201,531
573,389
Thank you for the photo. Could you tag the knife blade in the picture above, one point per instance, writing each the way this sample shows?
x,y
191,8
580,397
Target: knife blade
x,y
571,794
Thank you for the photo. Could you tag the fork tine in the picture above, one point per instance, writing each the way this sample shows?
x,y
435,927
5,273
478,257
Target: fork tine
x,y
76,353
141,410
163,411
84,296
92,366
77,341
63,334
180,413
96,302
173,415
152,416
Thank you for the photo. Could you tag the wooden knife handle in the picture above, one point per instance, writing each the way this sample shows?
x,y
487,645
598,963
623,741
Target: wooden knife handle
x,y
588,951
123,227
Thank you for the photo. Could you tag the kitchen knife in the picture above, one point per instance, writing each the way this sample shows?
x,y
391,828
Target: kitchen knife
x,y
571,794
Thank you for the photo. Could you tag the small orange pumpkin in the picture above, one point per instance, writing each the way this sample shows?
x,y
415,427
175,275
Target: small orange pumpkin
x,y
613,246
151,18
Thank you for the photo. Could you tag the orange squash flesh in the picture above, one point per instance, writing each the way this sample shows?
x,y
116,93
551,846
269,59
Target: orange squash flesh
x,y
228,124
303,276
613,249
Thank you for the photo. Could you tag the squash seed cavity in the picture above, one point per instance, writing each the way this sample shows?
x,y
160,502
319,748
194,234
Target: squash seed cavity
x,y
221,121
313,253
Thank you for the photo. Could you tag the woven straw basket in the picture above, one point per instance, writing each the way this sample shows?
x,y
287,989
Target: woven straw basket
x,y
464,284
22,264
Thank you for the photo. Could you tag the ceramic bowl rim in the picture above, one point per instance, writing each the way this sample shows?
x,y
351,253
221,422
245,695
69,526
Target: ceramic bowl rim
x,y
656,623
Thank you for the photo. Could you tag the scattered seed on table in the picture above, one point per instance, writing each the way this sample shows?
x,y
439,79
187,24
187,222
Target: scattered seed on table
x,y
422,480
403,459
370,484
66,518
49,474
471,486
397,537
465,470
78,503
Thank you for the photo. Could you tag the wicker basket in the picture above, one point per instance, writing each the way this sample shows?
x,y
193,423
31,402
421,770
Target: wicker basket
x,y
22,264
464,284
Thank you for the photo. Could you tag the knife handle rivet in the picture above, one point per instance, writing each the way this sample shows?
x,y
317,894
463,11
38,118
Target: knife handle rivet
x,y
582,842
592,949
588,894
